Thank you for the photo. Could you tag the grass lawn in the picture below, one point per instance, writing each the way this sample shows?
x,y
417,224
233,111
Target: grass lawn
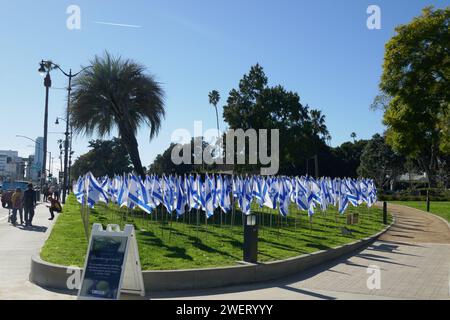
x,y
440,208
181,245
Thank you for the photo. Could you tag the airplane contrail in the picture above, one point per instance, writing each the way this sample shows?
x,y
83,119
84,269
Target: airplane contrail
x,y
118,24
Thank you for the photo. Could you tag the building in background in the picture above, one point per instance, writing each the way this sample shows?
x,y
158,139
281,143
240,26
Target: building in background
x,y
12,167
34,162
39,152
31,173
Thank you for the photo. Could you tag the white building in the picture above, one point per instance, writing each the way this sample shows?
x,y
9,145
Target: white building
x,y
12,167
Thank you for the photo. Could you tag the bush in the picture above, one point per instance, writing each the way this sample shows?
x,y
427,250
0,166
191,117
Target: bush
x,y
416,195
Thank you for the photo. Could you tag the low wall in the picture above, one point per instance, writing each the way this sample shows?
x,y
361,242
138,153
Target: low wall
x,y
52,276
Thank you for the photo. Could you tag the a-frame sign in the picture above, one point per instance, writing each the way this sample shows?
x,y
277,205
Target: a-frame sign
x,y
112,264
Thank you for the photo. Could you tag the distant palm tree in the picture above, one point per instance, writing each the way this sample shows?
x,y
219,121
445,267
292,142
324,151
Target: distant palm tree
x,y
353,136
116,93
214,98
318,124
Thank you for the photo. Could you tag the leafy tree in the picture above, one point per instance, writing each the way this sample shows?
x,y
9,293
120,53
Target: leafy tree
x,y
416,75
378,161
255,105
347,158
163,163
117,93
106,157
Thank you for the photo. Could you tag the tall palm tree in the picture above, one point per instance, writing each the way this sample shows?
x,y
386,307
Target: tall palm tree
x,y
318,124
353,136
117,93
214,98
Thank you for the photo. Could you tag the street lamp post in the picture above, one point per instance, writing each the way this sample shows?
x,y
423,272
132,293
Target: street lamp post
x,y
47,66
44,69
69,152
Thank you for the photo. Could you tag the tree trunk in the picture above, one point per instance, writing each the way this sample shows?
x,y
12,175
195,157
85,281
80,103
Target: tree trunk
x,y
130,142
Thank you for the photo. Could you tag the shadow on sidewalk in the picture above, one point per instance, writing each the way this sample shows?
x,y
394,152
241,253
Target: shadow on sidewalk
x,y
33,228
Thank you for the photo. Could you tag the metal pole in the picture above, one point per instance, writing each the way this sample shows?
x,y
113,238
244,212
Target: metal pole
x,y
70,160
66,142
47,84
316,166
428,200
384,212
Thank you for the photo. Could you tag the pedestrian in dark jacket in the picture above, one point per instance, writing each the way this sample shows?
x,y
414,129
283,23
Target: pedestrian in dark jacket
x,y
29,203
54,206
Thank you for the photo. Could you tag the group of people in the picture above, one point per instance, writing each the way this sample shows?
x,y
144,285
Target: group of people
x,y
24,204
51,191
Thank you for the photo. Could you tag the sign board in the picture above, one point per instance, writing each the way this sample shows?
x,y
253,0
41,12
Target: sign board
x,y
112,264
353,218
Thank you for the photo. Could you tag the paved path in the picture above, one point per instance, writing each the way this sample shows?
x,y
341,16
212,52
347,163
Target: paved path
x,y
413,257
17,246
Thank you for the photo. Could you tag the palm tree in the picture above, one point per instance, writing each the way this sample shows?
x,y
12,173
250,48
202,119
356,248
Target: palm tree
x,y
116,93
318,124
214,98
353,136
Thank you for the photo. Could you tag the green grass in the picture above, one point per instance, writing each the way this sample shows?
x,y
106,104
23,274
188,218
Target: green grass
x,y
439,208
181,245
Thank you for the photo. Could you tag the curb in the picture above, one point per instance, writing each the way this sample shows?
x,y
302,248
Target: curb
x,y
53,276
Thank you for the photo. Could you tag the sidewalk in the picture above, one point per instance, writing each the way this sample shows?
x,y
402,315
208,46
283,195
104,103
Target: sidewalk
x,y
413,257
17,246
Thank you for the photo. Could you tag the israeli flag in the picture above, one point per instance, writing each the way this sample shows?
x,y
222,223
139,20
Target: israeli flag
x,y
209,196
122,198
284,197
94,190
247,196
80,190
271,197
180,198
168,196
301,194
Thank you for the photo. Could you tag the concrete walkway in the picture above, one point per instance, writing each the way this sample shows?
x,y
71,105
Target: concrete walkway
x,y
413,258
17,246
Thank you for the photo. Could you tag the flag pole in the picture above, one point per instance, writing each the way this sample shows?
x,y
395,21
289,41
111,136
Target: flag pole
x,y
171,221
206,226
198,223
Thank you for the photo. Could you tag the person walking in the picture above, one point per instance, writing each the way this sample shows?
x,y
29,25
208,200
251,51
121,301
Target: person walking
x,y
54,206
45,192
57,192
29,203
17,206
50,192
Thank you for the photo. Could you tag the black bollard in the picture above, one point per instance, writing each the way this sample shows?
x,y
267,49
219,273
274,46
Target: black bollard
x,y
250,239
384,212
428,200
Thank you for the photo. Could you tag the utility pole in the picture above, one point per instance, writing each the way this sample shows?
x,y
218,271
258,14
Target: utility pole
x,y
66,141
47,84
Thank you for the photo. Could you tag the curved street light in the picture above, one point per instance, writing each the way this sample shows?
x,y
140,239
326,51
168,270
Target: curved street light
x,y
45,67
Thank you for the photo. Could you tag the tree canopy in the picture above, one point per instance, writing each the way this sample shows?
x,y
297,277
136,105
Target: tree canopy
x,y
379,161
106,157
256,105
117,94
416,75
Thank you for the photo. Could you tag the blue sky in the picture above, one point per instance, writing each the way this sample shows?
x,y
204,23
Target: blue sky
x,y
321,49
